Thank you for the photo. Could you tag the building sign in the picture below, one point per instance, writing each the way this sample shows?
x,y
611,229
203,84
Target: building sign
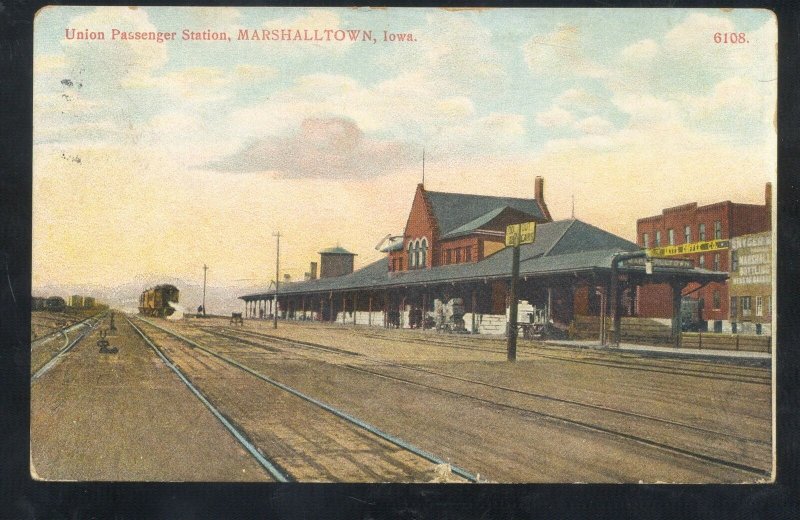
x,y
685,249
518,234
671,263
752,259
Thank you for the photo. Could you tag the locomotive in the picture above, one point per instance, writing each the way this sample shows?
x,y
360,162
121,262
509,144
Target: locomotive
x,y
155,301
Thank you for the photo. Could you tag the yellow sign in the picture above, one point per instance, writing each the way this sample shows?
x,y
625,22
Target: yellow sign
x,y
517,234
685,249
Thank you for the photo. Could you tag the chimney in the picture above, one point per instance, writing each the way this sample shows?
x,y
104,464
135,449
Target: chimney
x,y
313,270
538,195
768,205
287,278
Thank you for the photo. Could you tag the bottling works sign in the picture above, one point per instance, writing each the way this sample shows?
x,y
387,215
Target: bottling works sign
x,y
517,234
753,260
685,249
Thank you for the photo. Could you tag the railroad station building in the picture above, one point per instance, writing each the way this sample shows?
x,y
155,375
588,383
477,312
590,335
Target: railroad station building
x,y
453,246
703,235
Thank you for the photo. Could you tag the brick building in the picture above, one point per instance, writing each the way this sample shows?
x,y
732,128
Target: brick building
x,y
453,248
701,234
751,284
455,228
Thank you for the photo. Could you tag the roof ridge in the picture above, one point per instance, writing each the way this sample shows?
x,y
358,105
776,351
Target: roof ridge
x,y
571,223
480,195
494,212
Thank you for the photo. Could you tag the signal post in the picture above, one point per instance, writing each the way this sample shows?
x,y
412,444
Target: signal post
x,y
516,235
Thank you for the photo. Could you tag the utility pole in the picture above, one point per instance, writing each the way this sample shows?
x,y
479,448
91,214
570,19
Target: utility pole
x,y
205,268
277,279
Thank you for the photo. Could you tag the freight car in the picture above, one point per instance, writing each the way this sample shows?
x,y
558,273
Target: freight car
x,y
155,301
55,304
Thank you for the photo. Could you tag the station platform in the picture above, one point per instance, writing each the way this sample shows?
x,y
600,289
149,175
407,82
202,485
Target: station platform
x,y
760,358
733,355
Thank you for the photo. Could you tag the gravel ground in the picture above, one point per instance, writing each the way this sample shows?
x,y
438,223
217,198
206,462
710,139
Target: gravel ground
x,y
448,417
309,443
126,416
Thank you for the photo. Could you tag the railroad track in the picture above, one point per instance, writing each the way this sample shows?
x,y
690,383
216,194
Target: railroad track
x,y
88,325
52,335
278,472
605,425
711,371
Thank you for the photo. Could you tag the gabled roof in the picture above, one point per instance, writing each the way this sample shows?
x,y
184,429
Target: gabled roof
x,y
561,246
453,210
481,221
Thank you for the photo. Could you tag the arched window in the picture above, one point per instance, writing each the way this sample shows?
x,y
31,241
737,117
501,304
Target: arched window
x,y
411,263
424,253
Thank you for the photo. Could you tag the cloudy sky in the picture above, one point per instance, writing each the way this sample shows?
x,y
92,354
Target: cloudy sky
x,y
151,159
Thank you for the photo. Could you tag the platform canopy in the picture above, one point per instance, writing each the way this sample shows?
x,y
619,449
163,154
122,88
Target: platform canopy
x,y
565,247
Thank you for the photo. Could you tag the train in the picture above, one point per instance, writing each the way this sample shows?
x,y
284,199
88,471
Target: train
x,y
155,301
55,304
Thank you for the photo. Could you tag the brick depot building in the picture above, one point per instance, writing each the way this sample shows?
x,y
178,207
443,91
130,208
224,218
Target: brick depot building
x,y
453,246
455,228
701,234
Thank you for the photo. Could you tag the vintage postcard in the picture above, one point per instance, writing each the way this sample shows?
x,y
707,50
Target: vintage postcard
x,y
404,245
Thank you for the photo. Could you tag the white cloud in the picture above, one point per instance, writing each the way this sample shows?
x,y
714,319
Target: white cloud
x,y
456,107
645,109
691,46
640,53
254,73
115,62
663,156
696,32
307,19
594,125
560,53
321,148
212,17
554,117
454,48
737,94
195,84
579,99
504,123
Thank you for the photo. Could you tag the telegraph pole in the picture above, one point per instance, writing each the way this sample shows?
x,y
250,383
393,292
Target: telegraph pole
x,y
277,279
205,268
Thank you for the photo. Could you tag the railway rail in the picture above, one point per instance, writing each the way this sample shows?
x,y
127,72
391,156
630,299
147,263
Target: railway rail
x,y
52,335
284,474
709,370
271,468
88,325
600,426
